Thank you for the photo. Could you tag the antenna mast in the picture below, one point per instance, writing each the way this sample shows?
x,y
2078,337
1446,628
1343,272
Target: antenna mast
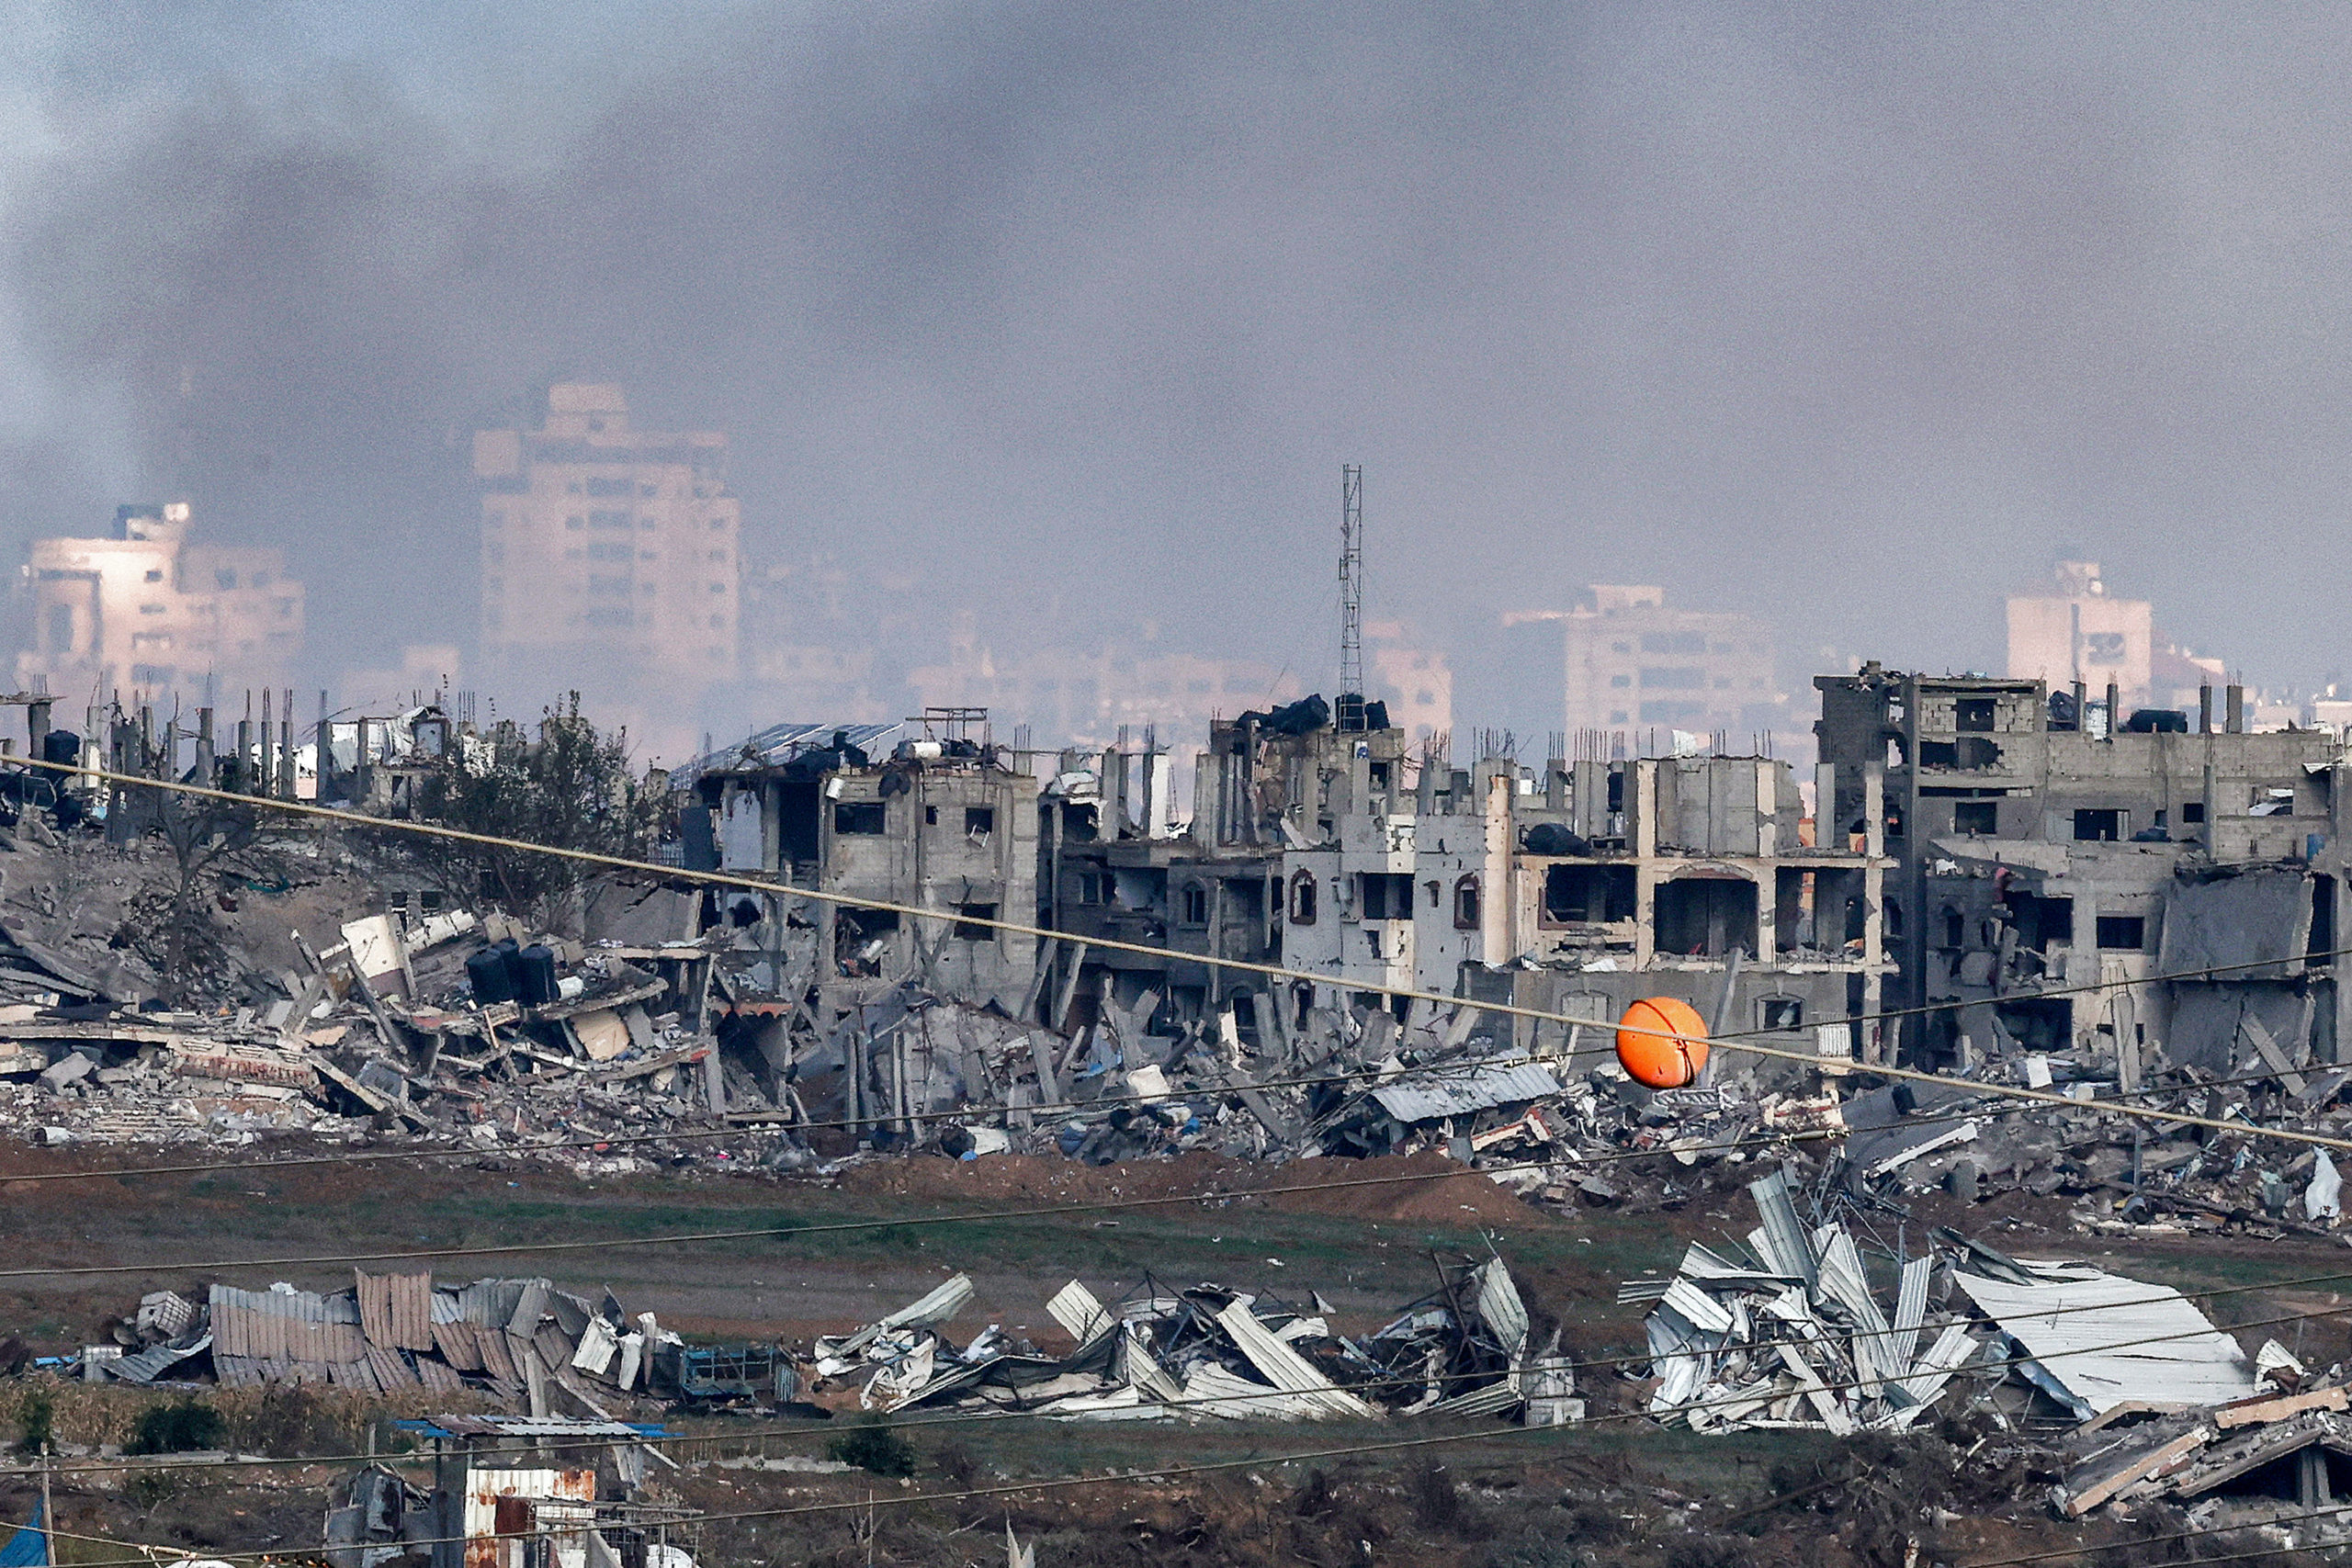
x,y
1350,704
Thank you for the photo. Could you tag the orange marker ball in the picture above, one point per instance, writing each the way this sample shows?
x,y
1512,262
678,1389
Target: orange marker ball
x,y
1662,1041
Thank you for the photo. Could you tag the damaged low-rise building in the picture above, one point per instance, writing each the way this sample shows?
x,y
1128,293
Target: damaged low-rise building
x,y
2048,857
943,820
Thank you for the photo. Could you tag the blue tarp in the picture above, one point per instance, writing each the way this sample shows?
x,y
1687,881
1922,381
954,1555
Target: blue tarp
x,y
28,1548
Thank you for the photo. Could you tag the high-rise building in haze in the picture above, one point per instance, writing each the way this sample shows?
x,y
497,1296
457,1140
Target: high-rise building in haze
x,y
1630,663
143,613
2081,632
597,538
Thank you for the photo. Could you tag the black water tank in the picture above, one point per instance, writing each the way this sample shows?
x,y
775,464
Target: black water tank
x,y
491,975
536,986
61,746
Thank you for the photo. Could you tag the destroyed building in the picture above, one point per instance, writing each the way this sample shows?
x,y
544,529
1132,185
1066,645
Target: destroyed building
x,y
2041,849
1115,866
946,819
1347,853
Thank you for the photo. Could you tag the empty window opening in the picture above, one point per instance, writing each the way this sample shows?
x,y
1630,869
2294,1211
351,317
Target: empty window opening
x,y
1466,903
1582,894
2192,811
861,816
1302,899
1970,753
1706,916
1977,817
2098,825
931,817
1973,714
1955,928
1781,1012
1196,905
2037,1023
2122,933
1385,895
2042,922
967,928
980,821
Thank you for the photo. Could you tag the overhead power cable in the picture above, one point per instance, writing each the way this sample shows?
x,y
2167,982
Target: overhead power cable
x,y
1744,1040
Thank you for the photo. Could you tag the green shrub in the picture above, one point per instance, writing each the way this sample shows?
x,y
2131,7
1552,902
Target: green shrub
x,y
175,1429
875,1449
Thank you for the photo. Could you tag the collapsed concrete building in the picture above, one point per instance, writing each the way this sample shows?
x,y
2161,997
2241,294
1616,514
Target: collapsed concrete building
x,y
2045,857
945,821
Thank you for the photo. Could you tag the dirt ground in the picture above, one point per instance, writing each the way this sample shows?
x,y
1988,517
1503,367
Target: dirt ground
x,y
1614,1491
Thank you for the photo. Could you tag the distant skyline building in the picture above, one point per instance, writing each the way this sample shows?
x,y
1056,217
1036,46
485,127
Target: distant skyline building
x,y
2081,632
143,612
1073,697
1415,679
597,538
1629,662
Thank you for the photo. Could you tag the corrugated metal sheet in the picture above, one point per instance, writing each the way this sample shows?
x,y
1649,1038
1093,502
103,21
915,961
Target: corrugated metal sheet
x,y
153,1361
392,1371
553,1500
396,1310
776,745
529,1307
1494,1399
1285,1368
1500,1309
1781,1240
2109,1340
1430,1096
438,1378
286,1325
1211,1390
460,1346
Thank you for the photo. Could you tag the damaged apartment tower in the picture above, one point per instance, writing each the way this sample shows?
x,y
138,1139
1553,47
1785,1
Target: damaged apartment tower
x,y
2049,857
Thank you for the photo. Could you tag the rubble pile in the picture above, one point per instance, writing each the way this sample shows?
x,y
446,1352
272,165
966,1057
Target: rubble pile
x,y
523,1344
1796,1334
1211,1352
533,1349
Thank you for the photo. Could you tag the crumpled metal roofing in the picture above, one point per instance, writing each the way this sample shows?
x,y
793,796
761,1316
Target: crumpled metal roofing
x,y
1426,1098
2109,1340
776,745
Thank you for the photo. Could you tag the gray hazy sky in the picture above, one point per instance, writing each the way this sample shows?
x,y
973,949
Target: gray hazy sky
x,y
1854,317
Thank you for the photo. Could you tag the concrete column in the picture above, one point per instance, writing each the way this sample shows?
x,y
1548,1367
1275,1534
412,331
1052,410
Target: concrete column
x,y
37,725
1828,826
1496,896
205,775
1641,817
2234,698
2114,710
2205,709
